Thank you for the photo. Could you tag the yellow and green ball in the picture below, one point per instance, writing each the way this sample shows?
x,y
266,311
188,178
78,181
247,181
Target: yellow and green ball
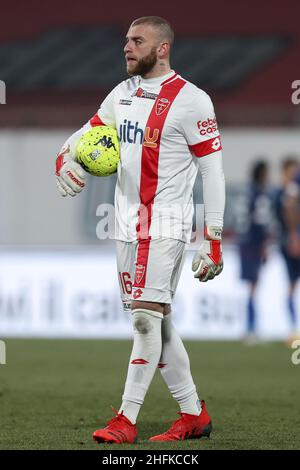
x,y
98,151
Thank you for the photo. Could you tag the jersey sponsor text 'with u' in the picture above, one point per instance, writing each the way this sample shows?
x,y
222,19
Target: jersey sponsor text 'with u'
x,y
131,133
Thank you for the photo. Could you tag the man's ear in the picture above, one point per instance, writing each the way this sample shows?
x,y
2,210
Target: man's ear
x,y
163,50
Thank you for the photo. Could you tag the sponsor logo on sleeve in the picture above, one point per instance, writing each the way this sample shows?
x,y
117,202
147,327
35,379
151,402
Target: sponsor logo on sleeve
x,y
216,143
208,126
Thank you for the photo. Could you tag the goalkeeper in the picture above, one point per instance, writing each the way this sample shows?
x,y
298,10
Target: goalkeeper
x,y
167,131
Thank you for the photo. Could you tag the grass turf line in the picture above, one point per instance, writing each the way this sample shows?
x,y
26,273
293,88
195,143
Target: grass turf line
x,y
55,393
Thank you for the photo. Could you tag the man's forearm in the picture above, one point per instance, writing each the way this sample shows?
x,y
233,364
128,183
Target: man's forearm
x,y
211,169
72,141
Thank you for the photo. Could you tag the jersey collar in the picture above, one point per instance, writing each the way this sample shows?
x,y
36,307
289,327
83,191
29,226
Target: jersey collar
x,y
158,81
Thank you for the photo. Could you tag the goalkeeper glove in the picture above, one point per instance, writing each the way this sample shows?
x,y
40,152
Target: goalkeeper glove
x,y
70,179
208,261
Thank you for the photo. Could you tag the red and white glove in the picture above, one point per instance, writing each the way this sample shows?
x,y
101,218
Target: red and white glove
x,y
208,261
70,179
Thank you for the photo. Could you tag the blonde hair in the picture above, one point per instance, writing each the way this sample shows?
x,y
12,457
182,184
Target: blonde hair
x,y
164,27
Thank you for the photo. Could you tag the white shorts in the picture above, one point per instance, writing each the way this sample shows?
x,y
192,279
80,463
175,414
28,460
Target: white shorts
x,y
149,269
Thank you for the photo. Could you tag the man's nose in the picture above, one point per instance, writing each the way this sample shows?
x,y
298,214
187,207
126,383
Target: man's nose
x,y
127,47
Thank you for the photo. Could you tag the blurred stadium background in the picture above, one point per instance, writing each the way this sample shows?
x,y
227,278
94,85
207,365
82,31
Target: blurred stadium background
x,y
58,60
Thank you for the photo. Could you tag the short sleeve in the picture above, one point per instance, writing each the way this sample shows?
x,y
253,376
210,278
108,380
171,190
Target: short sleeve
x,y
105,114
200,126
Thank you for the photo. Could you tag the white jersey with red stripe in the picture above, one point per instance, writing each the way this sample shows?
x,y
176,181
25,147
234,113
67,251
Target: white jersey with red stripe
x,y
164,125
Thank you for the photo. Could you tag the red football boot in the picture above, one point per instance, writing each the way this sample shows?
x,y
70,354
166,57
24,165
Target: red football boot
x,y
119,430
187,427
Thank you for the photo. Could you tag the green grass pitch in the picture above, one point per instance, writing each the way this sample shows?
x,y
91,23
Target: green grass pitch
x,y
55,393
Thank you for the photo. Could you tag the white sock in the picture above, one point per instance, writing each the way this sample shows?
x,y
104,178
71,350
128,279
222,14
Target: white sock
x,y
143,362
174,366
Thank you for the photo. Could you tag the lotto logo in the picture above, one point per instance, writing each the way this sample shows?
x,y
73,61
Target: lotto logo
x,y
137,293
208,126
216,143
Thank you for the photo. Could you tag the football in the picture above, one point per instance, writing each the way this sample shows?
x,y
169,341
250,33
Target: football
x,y
98,151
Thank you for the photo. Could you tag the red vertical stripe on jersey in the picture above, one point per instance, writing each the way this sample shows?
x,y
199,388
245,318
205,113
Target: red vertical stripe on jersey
x,y
96,121
149,168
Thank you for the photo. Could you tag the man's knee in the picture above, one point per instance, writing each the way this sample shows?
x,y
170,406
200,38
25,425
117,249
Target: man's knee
x,y
141,322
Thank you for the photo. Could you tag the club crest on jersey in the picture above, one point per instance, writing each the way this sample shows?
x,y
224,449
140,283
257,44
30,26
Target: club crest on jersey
x,y
161,105
139,273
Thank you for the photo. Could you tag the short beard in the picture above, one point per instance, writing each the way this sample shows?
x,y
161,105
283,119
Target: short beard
x,y
144,65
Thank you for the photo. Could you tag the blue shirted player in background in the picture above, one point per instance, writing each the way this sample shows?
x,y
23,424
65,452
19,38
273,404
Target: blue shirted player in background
x,y
287,206
254,218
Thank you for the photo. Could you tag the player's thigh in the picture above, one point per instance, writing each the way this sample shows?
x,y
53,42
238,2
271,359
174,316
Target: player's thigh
x,y
158,265
178,266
